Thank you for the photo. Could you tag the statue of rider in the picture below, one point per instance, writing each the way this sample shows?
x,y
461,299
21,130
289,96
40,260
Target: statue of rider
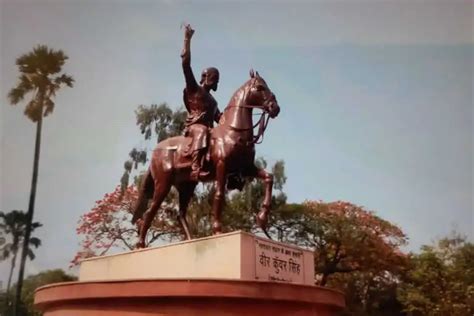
x,y
201,105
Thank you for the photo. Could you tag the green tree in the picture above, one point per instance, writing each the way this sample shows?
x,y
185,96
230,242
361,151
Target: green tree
x,y
39,78
12,226
369,293
156,123
440,279
31,283
242,206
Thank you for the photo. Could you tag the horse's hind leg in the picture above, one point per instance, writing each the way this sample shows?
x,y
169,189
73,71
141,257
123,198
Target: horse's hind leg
x,y
162,189
186,191
145,193
219,196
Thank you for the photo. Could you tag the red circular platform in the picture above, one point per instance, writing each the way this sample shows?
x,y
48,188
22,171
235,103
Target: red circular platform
x,y
186,297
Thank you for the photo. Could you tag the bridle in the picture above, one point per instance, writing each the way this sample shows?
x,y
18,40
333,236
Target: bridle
x,y
262,122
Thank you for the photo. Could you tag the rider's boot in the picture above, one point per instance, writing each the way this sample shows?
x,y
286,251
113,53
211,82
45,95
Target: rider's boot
x,y
197,174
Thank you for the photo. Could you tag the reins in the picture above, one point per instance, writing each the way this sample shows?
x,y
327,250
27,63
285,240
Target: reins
x,y
262,123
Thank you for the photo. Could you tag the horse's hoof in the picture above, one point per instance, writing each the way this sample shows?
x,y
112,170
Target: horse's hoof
x,y
140,245
217,228
262,219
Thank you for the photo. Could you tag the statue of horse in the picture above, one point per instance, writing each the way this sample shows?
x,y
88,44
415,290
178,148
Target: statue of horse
x,y
231,152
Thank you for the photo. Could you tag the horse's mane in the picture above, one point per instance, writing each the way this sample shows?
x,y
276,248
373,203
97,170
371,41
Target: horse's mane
x,y
238,94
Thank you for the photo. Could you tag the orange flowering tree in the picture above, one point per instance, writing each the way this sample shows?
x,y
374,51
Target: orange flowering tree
x,y
355,251
349,238
107,226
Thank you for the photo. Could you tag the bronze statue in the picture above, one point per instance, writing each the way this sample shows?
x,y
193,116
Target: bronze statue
x,y
178,161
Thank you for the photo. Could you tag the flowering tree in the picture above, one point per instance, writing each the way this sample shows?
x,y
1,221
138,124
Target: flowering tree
x,y
355,251
107,226
345,237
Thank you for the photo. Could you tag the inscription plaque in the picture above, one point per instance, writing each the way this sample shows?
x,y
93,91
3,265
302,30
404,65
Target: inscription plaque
x,y
276,262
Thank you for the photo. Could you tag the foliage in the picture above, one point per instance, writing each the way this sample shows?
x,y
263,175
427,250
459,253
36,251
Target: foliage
x,y
155,121
12,228
440,279
241,207
355,251
37,69
346,238
368,293
40,78
107,226
31,283
161,120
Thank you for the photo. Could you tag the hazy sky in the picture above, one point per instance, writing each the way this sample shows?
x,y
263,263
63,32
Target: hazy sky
x,y
376,100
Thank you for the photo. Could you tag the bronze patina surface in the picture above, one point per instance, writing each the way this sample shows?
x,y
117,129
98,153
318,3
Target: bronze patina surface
x,y
224,154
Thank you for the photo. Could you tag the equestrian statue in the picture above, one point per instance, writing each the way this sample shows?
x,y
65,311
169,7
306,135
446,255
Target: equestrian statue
x,y
224,154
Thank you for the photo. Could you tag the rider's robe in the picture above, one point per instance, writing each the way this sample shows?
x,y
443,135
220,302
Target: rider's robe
x,y
202,109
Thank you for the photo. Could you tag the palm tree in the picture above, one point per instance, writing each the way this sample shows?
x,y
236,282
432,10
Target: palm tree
x,y
40,78
12,226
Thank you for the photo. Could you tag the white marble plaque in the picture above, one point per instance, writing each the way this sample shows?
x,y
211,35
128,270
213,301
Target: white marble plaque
x,y
276,262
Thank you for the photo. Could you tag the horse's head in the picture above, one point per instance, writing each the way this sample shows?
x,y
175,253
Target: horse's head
x,y
259,94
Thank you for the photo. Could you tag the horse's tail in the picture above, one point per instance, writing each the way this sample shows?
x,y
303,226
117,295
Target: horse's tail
x,y
144,194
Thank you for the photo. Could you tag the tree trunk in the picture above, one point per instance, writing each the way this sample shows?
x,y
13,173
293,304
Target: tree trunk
x,y
11,272
7,296
29,215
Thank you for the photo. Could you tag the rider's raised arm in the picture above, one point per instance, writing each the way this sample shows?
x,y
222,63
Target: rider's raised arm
x,y
191,83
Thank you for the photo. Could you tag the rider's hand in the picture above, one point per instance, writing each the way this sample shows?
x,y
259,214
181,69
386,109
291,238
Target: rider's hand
x,y
188,31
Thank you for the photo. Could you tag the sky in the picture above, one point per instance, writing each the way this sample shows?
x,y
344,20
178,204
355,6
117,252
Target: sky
x,y
376,102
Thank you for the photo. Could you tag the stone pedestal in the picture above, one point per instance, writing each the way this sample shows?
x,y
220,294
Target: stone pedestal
x,y
230,274
235,256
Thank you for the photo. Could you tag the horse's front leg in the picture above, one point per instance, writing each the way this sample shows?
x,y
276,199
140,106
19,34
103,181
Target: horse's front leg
x,y
262,217
219,197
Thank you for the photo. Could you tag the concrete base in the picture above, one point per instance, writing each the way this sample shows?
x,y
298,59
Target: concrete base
x,y
186,298
235,256
230,274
